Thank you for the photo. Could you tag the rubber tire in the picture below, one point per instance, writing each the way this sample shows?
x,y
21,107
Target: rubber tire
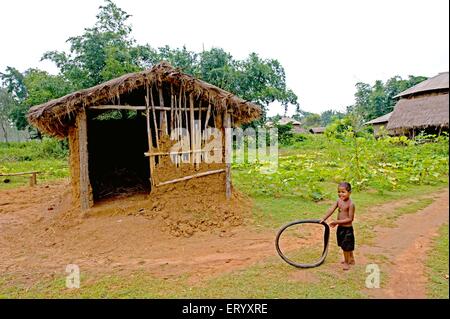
x,y
326,238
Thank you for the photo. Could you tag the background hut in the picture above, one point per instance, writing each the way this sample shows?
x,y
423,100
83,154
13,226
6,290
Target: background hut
x,y
296,125
379,122
317,130
125,135
423,107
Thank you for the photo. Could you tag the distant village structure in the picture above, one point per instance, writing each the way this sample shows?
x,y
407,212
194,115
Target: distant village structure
x,y
296,125
423,107
379,123
317,130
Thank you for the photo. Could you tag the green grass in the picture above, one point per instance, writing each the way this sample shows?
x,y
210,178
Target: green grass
x,y
48,156
437,266
303,187
271,278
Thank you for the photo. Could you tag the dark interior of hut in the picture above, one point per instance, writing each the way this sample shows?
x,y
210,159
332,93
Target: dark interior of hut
x,y
117,141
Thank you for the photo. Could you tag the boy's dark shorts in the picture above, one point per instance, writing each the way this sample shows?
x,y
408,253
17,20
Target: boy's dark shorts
x,y
345,238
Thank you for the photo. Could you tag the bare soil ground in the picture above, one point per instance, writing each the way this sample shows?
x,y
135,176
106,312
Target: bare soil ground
x,y
40,234
405,248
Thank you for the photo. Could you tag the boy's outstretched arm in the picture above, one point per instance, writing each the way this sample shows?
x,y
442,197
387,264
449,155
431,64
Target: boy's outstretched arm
x,y
329,212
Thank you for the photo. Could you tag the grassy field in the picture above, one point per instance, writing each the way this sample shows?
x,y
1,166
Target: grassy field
x,y
48,157
437,266
304,186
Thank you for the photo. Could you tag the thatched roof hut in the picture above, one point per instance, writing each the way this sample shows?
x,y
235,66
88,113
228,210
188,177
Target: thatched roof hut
x,y
317,130
145,130
55,116
379,122
296,125
422,107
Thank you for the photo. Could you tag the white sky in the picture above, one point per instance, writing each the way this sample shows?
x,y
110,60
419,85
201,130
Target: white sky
x,y
325,46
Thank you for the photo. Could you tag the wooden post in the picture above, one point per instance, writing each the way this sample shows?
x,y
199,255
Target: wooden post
x,y
84,169
33,179
154,117
150,139
192,129
228,153
162,115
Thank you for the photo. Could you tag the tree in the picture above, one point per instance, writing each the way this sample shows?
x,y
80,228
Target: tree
x,y
311,120
107,50
31,88
329,116
379,99
7,103
102,52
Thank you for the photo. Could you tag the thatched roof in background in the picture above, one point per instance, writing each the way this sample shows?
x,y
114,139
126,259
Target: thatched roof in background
x,y
382,119
420,112
317,130
54,117
438,82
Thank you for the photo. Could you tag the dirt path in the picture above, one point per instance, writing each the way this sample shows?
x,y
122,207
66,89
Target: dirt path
x,y
405,248
37,241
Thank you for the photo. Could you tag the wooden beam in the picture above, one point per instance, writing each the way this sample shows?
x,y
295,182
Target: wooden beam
x,y
84,169
180,153
228,153
138,108
191,176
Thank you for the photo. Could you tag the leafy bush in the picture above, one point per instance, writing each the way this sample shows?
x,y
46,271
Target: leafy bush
x,y
307,168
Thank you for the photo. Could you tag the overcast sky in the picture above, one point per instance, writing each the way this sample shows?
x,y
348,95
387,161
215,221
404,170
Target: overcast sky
x,y
324,46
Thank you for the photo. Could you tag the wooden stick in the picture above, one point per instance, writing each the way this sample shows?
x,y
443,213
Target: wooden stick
x,y
208,114
182,152
228,150
186,119
136,107
155,122
191,110
171,108
162,115
191,176
149,137
18,174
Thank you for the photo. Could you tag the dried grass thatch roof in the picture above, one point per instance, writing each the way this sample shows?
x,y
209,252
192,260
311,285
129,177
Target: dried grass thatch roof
x,y
438,82
420,112
317,130
54,117
382,119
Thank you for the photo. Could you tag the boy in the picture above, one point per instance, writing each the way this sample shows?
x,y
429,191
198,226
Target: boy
x,y
344,233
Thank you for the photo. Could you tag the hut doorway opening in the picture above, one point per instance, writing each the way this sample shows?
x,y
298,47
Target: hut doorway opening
x,y
117,141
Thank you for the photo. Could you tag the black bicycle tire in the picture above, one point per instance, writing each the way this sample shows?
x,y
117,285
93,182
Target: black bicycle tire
x,y
326,238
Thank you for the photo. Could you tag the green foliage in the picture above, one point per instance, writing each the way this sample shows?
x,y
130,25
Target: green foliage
x,y
107,50
47,148
385,164
437,266
285,133
377,100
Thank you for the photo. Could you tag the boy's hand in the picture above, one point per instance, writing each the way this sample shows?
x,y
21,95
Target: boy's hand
x,y
333,224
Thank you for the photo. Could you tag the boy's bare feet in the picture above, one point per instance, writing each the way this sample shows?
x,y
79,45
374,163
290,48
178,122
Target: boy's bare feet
x,y
345,266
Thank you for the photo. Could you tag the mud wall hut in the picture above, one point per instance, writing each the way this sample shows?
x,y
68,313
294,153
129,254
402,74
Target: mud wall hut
x,y
143,131
423,107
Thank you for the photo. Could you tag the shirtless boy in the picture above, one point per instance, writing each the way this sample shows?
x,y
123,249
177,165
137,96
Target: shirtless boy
x,y
344,233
